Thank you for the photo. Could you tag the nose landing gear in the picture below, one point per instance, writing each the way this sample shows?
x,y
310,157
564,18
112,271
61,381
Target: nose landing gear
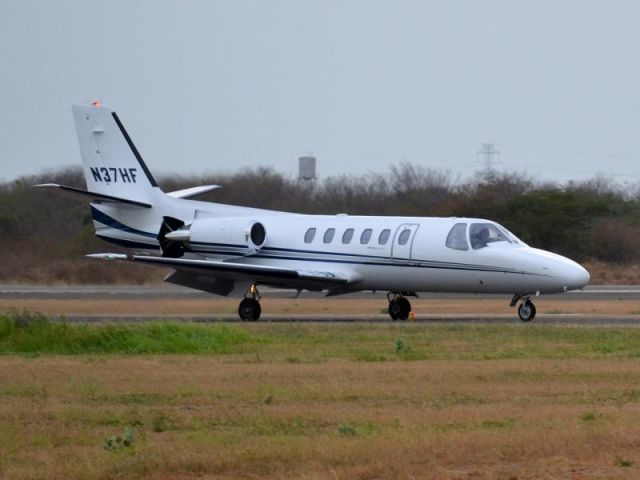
x,y
526,310
249,309
399,306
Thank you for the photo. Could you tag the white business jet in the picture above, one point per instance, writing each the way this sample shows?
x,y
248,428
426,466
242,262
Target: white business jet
x,y
231,250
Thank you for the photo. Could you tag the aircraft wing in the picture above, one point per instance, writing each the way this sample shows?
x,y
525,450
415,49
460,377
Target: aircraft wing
x,y
233,271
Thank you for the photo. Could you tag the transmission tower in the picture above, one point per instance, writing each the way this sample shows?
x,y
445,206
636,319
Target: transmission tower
x,y
489,156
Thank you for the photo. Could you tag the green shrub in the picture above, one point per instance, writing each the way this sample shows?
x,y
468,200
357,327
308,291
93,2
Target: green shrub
x,y
347,430
127,440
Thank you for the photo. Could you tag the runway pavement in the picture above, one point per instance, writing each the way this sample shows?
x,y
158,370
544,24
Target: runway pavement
x,y
168,291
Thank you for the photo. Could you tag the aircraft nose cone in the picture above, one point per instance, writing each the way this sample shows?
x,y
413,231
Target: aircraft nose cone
x,y
576,276
563,274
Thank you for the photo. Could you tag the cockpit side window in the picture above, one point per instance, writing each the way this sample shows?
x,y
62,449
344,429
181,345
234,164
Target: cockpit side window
x,y
481,234
457,238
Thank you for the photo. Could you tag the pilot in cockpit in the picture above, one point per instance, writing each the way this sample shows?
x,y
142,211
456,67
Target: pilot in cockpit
x,y
480,239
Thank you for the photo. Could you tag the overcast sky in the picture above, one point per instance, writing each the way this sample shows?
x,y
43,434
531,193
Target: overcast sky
x,y
219,85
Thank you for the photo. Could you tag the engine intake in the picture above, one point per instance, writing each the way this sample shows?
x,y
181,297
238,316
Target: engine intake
x,y
256,236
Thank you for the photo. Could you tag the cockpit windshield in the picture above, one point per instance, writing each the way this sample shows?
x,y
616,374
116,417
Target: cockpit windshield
x,y
481,234
510,235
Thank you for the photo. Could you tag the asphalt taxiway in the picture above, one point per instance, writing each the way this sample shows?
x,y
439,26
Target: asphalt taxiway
x,y
172,292
169,291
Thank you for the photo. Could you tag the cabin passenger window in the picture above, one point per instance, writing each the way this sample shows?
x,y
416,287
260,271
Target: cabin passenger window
x,y
403,238
347,236
482,234
457,238
366,236
384,236
308,237
328,235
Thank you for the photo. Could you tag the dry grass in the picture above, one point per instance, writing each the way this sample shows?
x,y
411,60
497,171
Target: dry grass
x,y
212,417
603,273
301,306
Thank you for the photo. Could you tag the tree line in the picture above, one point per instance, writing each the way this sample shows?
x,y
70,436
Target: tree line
x,y
44,235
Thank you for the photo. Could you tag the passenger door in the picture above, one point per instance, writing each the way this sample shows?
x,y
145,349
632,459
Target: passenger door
x,y
403,242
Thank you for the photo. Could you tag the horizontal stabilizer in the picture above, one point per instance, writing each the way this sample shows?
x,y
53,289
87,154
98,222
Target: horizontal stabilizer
x,y
78,193
193,191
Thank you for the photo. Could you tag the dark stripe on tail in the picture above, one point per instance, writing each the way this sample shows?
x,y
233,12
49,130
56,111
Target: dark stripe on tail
x,y
134,150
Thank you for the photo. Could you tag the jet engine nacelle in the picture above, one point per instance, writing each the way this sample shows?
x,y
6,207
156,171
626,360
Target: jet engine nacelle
x,y
227,232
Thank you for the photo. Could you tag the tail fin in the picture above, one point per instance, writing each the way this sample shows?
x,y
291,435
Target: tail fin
x,y
112,164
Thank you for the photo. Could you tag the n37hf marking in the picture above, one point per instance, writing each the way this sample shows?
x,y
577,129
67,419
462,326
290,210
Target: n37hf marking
x,y
112,174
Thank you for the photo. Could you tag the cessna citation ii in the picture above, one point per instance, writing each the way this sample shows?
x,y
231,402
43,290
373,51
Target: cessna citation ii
x,y
231,250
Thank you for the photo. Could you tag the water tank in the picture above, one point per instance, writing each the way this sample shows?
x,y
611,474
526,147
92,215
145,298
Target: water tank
x,y
307,168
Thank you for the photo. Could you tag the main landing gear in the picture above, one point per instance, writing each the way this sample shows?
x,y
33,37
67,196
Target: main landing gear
x,y
526,310
249,309
399,306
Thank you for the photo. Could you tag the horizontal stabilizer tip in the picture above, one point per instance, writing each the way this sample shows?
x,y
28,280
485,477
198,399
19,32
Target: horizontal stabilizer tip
x,y
108,256
193,191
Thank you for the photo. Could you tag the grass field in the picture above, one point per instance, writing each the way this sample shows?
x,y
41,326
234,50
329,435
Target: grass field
x,y
314,401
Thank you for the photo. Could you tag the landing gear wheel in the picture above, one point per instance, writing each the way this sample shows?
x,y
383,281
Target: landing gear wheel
x,y
394,309
249,310
399,308
405,308
527,311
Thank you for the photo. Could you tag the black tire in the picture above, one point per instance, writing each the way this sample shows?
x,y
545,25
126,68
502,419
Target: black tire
x,y
249,310
394,309
405,308
527,311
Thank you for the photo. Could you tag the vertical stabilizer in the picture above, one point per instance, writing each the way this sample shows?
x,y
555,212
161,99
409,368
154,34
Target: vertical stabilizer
x,y
112,163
